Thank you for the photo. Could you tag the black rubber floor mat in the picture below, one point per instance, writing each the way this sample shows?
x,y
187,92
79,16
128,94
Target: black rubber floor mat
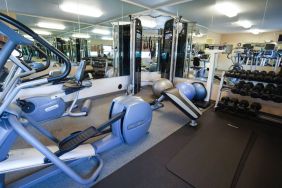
x,y
212,157
263,168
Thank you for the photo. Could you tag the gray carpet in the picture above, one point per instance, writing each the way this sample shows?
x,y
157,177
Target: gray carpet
x,y
165,122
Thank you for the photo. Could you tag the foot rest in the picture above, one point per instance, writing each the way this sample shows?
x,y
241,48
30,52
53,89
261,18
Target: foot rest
x,y
74,140
202,104
86,106
155,105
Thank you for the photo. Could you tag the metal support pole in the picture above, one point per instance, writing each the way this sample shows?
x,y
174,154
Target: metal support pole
x,y
219,90
174,50
132,56
213,60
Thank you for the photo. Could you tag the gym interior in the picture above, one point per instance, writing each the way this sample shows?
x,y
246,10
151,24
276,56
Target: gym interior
x,y
140,94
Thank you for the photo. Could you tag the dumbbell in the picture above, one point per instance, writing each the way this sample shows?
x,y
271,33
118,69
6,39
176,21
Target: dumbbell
x,y
276,98
261,76
243,105
245,74
253,74
256,90
242,73
245,90
277,90
278,79
223,102
269,76
237,87
267,91
276,95
236,74
232,104
229,73
255,108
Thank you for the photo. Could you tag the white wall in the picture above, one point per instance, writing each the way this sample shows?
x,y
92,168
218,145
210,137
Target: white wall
x,y
209,38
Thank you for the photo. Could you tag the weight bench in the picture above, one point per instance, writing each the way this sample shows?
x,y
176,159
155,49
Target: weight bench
x,y
181,102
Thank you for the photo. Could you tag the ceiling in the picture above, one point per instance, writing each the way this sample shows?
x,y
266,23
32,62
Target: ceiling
x,y
30,12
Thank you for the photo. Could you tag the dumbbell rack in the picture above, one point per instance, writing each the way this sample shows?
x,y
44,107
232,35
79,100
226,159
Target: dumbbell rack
x,y
262,115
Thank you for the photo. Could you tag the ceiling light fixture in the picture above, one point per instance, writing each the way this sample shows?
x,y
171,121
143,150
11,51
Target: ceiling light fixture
x,y
244,23
81,9
255,31
66,39
228,9
49,25
148,22
198,35
101,31
120,23
81,35
41,32
107,38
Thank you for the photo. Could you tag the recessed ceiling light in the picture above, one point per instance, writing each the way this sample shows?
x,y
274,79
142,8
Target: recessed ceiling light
x,y
198,34
50,25
120,23
227,8
41,32
107,38
81,9
66,39
255,31
244,23
81,35
101,31
148,22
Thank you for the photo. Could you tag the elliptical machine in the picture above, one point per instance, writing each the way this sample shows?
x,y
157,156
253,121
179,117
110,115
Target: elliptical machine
x,y
126,124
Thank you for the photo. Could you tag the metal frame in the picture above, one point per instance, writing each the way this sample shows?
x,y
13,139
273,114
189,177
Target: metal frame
x,y
132,55
213,59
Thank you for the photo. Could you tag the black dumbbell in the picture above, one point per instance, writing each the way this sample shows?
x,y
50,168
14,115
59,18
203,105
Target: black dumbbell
x,y
269,76
237,73
223,102
278,79
267,91
242,74
232,104
243,105
248,72
277,90
276,98
276,95
245,74
255,108
256,90
229,73
237,87
253,74
245,90
261,76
